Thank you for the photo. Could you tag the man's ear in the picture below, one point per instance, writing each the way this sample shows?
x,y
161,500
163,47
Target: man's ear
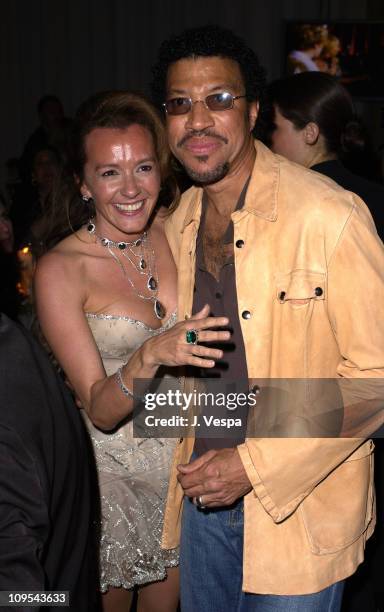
x,y
311,133
253,111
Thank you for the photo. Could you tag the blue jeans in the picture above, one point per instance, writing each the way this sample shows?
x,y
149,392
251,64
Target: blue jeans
x,y
211,572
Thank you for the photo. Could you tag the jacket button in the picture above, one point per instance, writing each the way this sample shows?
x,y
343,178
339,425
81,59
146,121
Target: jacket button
x,y
246,314
318,291
281,296
240,244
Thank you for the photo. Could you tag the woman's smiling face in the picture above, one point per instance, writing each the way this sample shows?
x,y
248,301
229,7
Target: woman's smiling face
x,y
121,175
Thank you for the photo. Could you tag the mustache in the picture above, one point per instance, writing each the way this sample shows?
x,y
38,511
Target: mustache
x,y
200,134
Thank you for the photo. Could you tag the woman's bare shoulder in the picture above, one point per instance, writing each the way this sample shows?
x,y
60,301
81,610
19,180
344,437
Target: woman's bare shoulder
x,y
67,256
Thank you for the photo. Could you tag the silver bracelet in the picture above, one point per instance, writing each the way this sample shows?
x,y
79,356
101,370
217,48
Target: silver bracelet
x,y
124,388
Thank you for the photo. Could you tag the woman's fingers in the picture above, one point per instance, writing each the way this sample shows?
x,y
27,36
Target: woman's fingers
x,y
201,320
199,362
207,352
213,336
202,314
207,323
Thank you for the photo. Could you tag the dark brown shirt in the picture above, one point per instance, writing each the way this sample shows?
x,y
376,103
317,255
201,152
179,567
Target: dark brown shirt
x,y
222,297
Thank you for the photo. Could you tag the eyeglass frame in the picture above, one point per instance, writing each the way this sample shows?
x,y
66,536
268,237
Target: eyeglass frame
x,y
204,101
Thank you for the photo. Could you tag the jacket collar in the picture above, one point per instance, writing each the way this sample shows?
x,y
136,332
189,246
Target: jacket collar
x,y
262,192
263,189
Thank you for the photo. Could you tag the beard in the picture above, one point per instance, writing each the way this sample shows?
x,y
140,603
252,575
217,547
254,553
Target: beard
x,y
209,176
200,176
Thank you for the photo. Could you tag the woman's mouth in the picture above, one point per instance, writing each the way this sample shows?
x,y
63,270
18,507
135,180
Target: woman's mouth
x,y
130,208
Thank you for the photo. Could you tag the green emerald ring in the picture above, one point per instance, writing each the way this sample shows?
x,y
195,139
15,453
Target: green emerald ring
x,y
192,336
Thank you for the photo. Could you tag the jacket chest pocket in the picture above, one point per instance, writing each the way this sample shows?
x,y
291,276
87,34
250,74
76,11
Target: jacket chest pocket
x,y
299,288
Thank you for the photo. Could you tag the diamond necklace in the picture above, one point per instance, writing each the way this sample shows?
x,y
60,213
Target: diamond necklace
x,y
141,256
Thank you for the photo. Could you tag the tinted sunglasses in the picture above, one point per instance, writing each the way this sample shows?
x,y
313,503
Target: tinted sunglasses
x,y
215,102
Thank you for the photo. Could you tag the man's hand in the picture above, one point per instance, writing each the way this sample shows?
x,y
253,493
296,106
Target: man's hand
x,y
218,477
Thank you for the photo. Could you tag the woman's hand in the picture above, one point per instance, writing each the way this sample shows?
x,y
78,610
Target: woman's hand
x,y
172,349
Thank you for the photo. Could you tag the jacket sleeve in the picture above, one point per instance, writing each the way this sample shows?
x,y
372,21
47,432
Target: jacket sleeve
x,y
23,517
283,472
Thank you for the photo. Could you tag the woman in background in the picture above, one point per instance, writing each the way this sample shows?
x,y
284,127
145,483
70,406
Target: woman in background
x,y
314,125
106,301
308,41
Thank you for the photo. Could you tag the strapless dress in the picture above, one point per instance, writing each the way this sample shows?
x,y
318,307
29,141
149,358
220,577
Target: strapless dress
x,y
132,472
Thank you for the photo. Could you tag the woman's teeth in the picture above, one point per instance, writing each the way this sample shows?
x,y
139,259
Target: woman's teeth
x,y
129,207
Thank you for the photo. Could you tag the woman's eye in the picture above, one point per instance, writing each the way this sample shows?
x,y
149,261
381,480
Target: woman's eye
x,y
145,168
109,173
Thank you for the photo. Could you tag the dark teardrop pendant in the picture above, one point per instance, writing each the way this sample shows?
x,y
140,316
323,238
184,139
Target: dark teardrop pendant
x,y
159,309
142,264
122,246
152,284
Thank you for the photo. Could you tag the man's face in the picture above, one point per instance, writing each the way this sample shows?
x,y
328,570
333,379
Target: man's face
x,y
209,144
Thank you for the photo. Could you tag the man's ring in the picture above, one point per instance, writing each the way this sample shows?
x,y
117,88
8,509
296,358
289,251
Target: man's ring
x,y
192,336
199,502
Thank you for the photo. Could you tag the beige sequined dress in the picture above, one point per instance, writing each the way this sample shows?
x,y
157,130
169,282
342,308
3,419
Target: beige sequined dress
x,y
132,472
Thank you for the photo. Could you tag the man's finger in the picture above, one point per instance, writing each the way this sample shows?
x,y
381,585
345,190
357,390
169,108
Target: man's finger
x,y
187,468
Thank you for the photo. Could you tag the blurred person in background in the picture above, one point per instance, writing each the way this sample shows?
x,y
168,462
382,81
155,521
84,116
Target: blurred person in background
x,y
9,296
308,44
314,125
33,199
328,60
53,132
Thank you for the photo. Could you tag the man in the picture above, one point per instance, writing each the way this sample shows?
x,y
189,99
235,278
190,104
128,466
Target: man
x,y
45,506
303,298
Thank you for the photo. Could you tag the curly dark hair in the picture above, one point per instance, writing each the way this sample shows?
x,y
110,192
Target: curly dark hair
x,y
209,41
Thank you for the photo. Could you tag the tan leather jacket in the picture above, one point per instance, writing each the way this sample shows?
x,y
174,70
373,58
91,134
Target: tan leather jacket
x,y
311,509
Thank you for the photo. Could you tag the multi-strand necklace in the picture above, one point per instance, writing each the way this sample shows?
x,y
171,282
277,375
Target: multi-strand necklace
x,y
141,256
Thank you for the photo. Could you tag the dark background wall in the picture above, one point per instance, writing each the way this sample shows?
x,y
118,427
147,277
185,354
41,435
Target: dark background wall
x,y
74,47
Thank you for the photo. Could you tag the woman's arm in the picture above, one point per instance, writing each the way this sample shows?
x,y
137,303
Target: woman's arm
x,y
60,296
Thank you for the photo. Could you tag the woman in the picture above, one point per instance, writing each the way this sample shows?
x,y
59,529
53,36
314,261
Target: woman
x,y
106,296
308,41
315,126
